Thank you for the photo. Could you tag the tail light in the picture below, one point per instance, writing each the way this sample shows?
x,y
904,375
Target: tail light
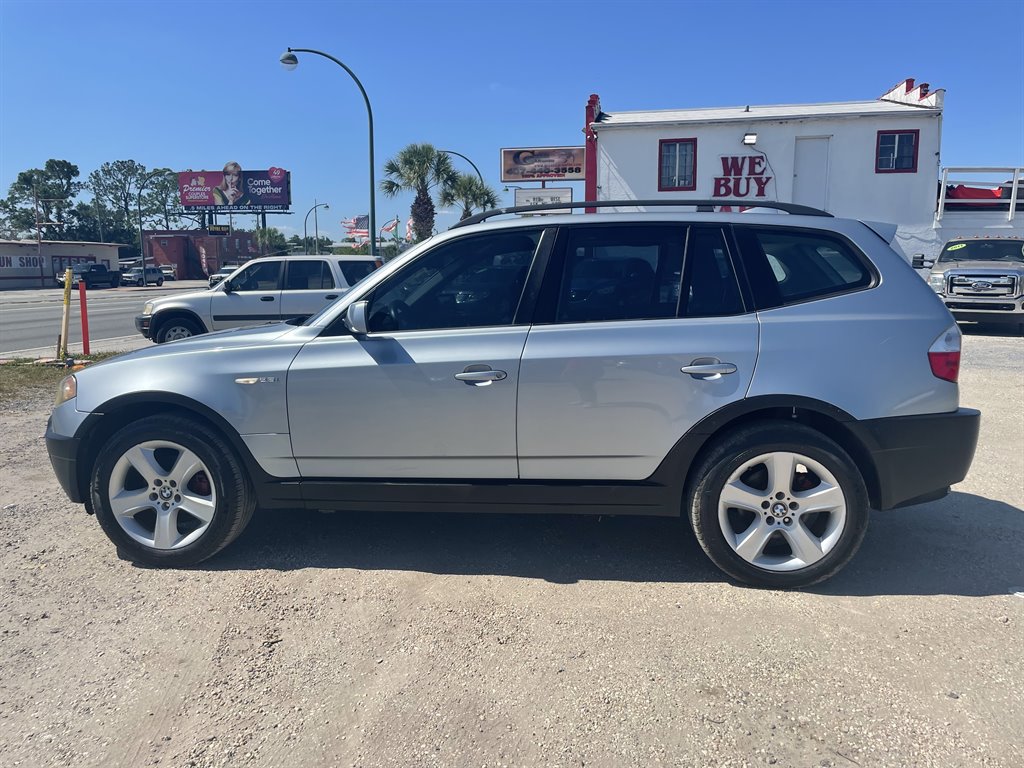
x,y
944,355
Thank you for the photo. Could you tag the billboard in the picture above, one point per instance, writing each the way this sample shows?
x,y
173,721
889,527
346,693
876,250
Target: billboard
x,y
545,197
235,190
539,163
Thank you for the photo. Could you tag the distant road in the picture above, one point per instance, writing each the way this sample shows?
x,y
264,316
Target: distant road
x,y
30,320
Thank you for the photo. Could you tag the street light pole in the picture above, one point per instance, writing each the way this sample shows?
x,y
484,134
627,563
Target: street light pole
x,y
142,242
452,152
305,235
290,61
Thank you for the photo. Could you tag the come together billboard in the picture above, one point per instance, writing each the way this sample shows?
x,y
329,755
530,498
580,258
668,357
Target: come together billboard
x,y
235,190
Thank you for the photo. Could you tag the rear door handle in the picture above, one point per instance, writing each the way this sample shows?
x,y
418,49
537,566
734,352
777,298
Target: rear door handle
x,y
266,298
708,368
331,296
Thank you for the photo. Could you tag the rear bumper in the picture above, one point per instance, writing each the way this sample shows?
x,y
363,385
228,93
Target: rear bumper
x,y
917,458
63,453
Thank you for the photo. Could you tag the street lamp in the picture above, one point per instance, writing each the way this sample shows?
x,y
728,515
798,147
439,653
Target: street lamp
x,y
452,152
305,236
290,61
142,242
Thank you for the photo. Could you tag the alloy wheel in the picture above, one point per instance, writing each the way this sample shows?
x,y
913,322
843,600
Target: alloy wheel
x,y
161,495
782,511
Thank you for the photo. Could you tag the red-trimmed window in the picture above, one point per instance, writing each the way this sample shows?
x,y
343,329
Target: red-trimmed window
x,y
896,151
677,165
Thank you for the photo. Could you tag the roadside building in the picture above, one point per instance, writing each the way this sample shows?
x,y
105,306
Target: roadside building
x,y
34,264
873,160
197,254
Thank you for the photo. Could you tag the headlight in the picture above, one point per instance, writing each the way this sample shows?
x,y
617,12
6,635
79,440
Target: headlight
x,y
937,282
68,390
148,309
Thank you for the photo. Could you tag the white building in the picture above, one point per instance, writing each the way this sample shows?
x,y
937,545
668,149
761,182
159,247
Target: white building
x,y
870,160
33,264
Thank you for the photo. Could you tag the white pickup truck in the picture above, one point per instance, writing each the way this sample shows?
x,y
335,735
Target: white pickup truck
x,y
264,290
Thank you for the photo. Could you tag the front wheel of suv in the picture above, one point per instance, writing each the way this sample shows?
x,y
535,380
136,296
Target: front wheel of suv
x,y
779,505
169,492
176,328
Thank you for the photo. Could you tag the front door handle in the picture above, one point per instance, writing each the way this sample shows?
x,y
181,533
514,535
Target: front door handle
x,y
266,298
708,368
331,296
477,375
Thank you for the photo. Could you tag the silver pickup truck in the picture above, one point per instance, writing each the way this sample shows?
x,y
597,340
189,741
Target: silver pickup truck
x,y
981,279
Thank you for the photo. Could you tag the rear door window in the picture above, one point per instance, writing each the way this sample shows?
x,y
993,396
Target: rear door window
x,y
307,275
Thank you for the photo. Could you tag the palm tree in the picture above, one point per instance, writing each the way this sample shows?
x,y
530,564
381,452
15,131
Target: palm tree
x,y
469,192
418,168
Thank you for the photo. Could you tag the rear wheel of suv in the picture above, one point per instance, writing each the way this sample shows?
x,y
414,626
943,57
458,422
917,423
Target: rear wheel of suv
x,y
170,492
777,504
176,328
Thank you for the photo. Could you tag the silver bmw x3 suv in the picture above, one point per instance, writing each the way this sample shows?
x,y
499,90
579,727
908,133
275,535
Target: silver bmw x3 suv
x,y
769,377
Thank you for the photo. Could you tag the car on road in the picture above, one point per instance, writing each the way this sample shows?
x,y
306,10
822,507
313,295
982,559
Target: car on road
x,y
153,276
769,378
91,275
263,290
169,271
981,279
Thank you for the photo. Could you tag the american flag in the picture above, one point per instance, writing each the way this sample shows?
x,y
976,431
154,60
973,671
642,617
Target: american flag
x,y
391,226
357,227
408,231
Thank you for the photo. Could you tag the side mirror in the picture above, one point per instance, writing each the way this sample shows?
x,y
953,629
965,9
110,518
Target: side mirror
x,y
228,287
920,262
355,318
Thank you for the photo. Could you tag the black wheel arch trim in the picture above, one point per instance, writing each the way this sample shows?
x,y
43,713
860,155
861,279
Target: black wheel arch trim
x,y
96,428
158,318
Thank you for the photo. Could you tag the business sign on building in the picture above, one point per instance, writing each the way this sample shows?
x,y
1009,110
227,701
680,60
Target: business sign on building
x,y
235,190
545,197
541,163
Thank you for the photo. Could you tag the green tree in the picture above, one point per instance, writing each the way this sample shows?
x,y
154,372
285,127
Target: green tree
x,y
160,201
270,240
469,193
55,186
418,168
116,185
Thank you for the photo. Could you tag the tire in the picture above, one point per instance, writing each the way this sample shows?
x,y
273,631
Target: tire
x,y
159,282
172,453
768,541
176,328
139,283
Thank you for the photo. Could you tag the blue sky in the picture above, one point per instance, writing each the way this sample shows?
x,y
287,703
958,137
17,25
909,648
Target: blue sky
x,y
195,84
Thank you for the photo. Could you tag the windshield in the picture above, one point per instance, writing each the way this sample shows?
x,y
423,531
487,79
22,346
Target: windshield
x,y
984,250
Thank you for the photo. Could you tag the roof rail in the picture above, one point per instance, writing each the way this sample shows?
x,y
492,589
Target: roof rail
x,y
703,206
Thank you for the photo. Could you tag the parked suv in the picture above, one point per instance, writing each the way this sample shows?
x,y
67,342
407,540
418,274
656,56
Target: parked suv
x,y
981,279
768,377
154,276
264,290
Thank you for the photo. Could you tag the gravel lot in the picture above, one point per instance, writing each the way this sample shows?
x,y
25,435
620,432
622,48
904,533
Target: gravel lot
x,y
446,640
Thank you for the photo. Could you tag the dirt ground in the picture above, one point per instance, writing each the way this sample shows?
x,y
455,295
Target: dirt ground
x,y
447,640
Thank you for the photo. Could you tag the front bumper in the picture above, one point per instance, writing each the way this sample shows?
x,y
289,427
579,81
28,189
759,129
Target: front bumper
x,y
996,311
63,453
917,458
143,323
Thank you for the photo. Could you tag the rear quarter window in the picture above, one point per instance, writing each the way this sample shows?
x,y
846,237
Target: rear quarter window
x,y
354,271
789,266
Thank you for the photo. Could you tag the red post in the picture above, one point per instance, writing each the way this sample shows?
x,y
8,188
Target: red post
x,y
85,317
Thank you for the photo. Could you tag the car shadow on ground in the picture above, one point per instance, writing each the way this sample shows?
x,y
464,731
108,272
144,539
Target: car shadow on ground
x,y
961,545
